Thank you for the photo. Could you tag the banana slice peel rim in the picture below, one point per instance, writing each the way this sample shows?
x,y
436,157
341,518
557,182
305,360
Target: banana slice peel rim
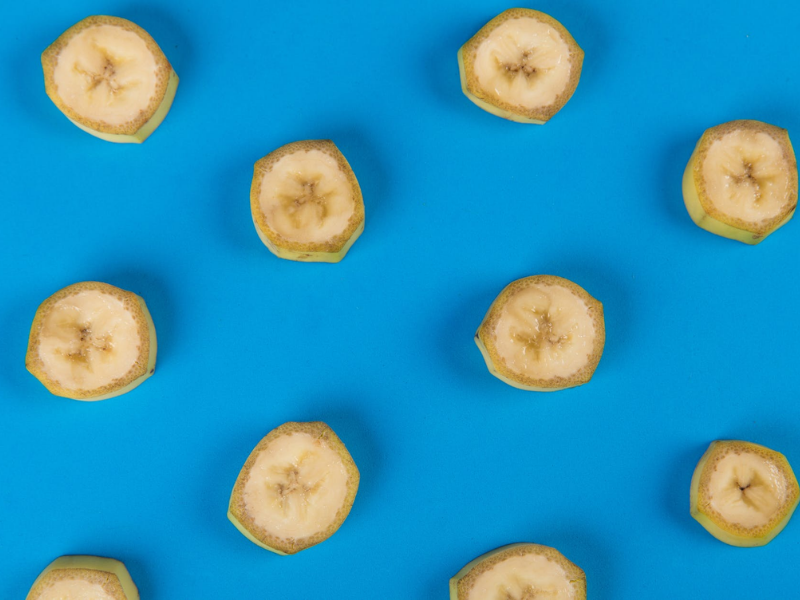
x,y
703,212
462,581
332,250
136,130
714,523
237,511
497,365
110,573
490,102
142,369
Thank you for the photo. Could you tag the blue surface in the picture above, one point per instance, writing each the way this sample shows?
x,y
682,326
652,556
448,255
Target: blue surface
x,y
702,331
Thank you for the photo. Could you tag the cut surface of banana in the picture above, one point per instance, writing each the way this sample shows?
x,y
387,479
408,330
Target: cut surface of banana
x,y
84,578
523,65
92,341
542,333
306,202
741,180
110,78
744,494
296,488
519,572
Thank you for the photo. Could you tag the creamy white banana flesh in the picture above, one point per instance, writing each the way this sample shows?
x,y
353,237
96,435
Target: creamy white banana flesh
x,y
523,63
743,493
306,202
84,578
520,572
295,489
91,340
543,329
75,589
110,78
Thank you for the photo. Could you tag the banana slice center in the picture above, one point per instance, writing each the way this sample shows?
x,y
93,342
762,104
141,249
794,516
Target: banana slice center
x,y
296,486
88,340
523,62
544,332
747,176
74,589
528,577
106,73
748,490
307,198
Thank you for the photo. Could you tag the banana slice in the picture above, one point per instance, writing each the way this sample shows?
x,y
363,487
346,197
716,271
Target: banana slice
x,y
523,65
742,493
110,78
306,202
296,488
519,572
84,578
92,341
741,181
542,333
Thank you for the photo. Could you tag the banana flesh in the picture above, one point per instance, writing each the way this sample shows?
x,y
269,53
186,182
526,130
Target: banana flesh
x,y
306,197
88,340
523,62
296,486
519,572
747,176
84,578
75,589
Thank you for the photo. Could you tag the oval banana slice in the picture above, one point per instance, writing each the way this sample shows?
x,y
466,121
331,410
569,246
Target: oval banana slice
x,y
110,78
84,578
92,341
523,65
741,180
519,571
296,488
744,494
543,333
306,202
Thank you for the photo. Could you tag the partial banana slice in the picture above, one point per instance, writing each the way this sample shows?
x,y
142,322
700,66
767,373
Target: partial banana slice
x,y
542,333
110,78
741,181
519,572
306,202
523,65
744,494
296,488
84,578
92,341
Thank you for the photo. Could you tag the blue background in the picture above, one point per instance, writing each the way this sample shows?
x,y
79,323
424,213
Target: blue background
x,y
702,331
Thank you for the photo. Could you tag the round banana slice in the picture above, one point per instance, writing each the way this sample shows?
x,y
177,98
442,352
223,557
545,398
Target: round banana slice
x,y
542,333
519,572
84,578
523,65
110,78
92,341
306,202
742,493
296,488
741,181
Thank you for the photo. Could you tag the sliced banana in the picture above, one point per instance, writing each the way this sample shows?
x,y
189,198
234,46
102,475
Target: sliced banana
x,y
306,202
519,572
296,488
741,181
92,341
84,578
744,494
523,65
542,333
110,78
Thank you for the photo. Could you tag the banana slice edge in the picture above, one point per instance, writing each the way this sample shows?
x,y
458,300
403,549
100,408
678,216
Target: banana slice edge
x,y
109,574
